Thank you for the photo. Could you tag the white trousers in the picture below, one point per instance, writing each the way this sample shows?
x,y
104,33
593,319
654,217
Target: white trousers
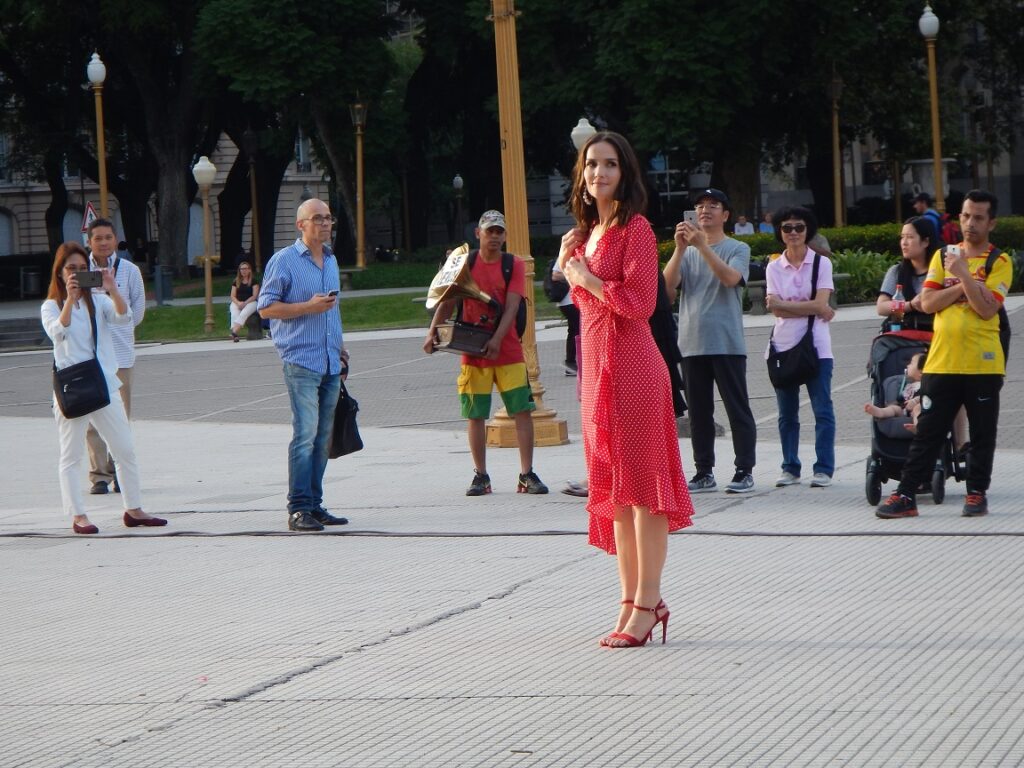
x,y
112,424
239,316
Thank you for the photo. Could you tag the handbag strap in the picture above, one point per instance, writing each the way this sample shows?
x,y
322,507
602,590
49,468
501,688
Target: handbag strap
x,y
814,291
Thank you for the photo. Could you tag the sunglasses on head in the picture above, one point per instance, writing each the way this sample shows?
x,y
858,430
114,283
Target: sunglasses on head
x,y
789,228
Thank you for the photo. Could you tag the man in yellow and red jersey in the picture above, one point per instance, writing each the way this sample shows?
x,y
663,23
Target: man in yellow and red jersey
x,y
966,363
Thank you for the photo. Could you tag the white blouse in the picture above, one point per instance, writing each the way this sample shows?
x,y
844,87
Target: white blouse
x,y
73,344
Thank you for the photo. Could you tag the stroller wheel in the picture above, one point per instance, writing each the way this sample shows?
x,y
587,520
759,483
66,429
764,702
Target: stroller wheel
x,y
938,486
873,488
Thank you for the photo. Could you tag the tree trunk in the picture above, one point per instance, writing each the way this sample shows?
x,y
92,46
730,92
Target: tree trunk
x,y
234,202
736,171
342,175
53,165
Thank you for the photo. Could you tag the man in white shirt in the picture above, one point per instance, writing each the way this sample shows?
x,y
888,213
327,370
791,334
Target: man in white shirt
x,y
743,227
103,244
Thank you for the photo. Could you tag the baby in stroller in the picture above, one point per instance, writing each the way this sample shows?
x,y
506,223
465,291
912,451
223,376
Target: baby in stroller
x,y
908,402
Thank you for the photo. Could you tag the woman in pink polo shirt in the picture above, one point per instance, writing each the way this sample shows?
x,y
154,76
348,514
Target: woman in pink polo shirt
x,y
788,281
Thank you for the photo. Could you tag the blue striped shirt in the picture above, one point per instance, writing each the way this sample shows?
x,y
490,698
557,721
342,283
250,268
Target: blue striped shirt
x,y
310,341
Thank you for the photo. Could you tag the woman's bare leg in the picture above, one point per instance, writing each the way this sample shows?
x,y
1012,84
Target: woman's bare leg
x,y
651,550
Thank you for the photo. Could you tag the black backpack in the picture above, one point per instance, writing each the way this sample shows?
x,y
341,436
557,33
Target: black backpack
x,y
555,290
507,263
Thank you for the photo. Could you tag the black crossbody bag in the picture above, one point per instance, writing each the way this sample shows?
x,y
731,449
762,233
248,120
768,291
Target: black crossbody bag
x,y
81,388
796,366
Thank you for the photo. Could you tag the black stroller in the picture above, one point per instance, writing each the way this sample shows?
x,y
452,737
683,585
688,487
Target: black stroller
x,y
890,439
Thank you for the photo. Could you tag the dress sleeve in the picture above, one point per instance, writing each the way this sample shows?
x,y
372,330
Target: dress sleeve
x,y
636,293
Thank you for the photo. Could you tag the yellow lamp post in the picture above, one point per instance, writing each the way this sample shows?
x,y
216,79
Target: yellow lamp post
x,y
457,185
97,74
358,112
929,26
835,92
204,173
547,429
251,145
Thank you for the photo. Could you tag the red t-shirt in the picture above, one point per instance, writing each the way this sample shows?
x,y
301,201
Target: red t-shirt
x,y
492,282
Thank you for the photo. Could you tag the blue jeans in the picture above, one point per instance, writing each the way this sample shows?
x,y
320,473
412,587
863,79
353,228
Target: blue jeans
x,y
313,398
819,389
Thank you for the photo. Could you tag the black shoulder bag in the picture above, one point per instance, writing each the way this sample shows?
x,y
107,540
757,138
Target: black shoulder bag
x,y
345,437
798,365
81,388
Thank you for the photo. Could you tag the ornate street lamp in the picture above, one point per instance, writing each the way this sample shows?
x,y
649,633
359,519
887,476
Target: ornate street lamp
x,y
457,185
582,131
835,90
251,144
547,428
204,173
358,111
929,26
97,73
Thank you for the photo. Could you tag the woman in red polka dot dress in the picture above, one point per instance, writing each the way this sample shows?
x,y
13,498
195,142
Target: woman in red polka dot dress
x,y
637,489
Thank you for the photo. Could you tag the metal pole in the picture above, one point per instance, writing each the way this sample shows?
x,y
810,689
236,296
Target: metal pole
x,y
360,214
207,261
255,216
837,167
933,89
548,430
101,151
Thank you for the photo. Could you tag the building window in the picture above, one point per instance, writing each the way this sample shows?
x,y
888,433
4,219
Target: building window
x,y
303,164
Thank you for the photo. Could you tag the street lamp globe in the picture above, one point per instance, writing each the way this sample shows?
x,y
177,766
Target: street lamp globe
x,y
204,172
458,183
583,131
928,23
96,70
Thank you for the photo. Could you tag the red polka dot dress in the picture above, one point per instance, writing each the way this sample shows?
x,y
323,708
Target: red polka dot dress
x,y
629,429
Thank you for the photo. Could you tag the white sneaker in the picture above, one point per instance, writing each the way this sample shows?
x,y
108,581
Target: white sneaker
x,y
786,478
820,480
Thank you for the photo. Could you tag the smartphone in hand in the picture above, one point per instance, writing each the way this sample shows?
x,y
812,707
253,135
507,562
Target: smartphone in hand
x,y
332,293
690,217
89,279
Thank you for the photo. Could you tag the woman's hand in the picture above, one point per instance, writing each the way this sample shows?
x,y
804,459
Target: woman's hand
x,y
74,292
577,271
571,240
109,284
915,303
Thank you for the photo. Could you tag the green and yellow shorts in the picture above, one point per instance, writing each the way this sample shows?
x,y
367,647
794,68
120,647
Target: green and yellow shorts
x,y
475,385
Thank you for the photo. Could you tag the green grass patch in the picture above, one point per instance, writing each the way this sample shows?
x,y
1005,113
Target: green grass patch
x,y
170,323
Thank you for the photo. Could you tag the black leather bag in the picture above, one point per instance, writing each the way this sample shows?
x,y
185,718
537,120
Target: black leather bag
x,y
345,437
81,388
798,365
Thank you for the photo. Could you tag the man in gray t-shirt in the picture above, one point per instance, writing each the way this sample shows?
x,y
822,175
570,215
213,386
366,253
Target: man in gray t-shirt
x,y
709,270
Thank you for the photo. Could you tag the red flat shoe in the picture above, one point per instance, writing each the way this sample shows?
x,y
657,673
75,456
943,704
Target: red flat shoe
x,y
148,522
84,529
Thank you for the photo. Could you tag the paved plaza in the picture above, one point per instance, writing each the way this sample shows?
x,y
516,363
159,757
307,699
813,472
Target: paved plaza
x,y
441,630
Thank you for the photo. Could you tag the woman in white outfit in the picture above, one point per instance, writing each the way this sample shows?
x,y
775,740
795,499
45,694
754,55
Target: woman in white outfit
x,y
66,317
244,293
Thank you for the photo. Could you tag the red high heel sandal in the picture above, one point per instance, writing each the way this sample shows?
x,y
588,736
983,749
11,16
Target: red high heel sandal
x,y
632,642
606,638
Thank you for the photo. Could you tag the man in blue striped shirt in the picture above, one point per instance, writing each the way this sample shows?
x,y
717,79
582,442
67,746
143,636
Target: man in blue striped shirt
x,y
299,295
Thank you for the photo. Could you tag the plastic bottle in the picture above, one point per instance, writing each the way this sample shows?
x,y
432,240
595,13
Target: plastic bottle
x,y
899,305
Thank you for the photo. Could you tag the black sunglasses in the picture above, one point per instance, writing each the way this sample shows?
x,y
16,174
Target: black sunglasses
x,y
798,228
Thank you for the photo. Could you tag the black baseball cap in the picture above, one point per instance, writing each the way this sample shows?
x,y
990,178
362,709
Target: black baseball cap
x,y
923,197
714,194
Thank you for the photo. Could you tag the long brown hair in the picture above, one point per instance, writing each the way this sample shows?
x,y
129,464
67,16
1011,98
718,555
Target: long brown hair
x,y
58,291
630,195
238,274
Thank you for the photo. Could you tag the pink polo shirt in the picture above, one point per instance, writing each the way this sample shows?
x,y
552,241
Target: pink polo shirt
x,y
792,284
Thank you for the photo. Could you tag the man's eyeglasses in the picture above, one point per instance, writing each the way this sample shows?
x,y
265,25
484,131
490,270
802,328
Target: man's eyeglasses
x,y
321,220
708,207
790,228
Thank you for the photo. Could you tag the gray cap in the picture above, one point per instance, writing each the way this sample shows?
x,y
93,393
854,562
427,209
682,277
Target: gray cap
x,y
492,219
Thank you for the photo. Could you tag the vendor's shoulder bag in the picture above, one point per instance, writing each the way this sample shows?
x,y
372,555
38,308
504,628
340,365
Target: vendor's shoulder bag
x,y
81,388
796,366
